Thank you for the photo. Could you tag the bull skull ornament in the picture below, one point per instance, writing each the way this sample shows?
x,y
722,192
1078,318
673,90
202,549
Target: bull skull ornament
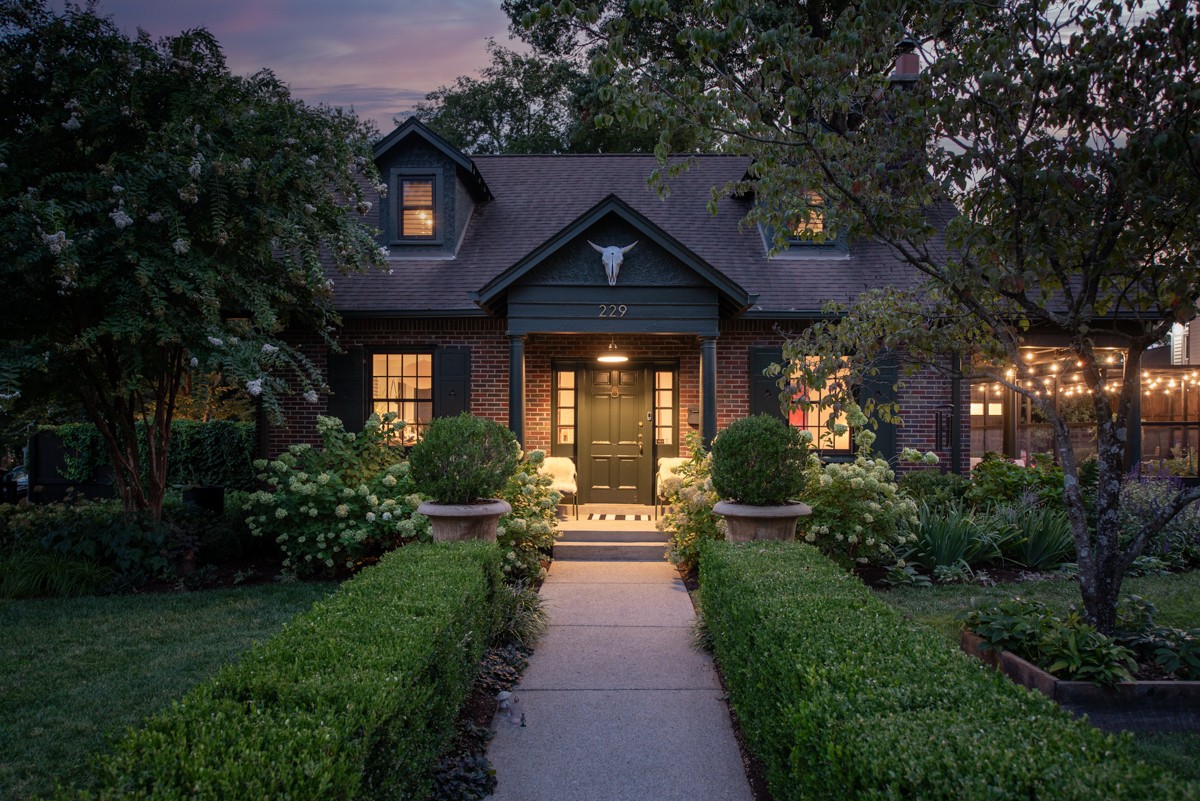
x,y
612,256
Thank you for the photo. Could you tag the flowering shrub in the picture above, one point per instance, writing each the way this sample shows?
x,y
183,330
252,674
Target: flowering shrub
x,y
691,497
529,529
1144,498
858,514
350,500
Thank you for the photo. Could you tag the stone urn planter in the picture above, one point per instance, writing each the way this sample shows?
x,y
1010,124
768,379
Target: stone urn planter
x,y
452,522
748,523
462,463
758,468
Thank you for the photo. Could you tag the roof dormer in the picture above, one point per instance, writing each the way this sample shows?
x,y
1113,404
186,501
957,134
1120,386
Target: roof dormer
x,y
432,189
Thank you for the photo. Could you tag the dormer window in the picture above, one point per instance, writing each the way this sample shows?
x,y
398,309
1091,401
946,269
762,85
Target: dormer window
x,y
809,227
417,218
418,215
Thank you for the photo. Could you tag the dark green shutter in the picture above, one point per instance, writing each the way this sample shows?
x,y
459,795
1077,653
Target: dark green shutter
x,y
764,390
451,381
881,388
348,382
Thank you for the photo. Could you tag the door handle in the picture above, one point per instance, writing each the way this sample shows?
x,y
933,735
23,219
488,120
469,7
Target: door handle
x,y
640,449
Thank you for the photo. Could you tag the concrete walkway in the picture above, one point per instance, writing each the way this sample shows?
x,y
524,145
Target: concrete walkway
x,y
618,706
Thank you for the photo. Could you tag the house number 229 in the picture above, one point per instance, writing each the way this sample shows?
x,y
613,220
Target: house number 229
x,y
613,310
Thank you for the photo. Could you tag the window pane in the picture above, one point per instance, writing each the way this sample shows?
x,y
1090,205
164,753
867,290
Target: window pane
x,y
425,364
418,193
663,418
662,398
424,413
378,387
379,364
566,379
381,408
395,364
566,417
663,380
410,365
666,436
416,222
566,398
424,388
566,436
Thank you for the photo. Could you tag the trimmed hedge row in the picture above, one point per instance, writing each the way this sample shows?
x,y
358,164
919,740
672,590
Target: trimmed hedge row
x,y
842,699
355,699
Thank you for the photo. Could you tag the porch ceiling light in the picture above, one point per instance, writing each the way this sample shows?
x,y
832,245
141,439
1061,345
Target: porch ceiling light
x,y
612,355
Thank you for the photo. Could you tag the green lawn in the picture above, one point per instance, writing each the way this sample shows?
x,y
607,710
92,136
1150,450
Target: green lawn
x,y
1177,597
74,673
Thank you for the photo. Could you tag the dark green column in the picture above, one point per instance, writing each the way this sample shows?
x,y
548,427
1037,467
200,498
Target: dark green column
x,y
516,386
1133,427
708,389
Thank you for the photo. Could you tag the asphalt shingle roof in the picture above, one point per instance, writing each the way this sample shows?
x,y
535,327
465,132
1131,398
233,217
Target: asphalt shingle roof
x,y
538,196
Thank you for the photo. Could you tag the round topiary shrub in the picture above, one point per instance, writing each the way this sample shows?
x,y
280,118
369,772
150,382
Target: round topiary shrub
x,y
759,461
463,459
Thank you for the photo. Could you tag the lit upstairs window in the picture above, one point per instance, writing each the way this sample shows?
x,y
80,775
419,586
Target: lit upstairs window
x,y
809,227
417,209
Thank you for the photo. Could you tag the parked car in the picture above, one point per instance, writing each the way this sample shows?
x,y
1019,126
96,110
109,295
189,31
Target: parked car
x,y
14,484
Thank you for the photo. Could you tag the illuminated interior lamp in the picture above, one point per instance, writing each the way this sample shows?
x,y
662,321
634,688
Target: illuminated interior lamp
x,y
612,355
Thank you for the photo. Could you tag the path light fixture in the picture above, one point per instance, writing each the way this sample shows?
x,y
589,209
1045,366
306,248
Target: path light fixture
x,y
612,355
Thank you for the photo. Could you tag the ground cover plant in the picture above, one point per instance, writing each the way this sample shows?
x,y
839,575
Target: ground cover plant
x,y
1176,598
354,699
74,673
841,699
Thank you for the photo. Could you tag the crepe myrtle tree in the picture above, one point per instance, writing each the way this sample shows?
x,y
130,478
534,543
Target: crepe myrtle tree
x,y
160,215
1038,177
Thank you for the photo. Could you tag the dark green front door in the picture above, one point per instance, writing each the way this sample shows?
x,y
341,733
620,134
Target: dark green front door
x,y
616,439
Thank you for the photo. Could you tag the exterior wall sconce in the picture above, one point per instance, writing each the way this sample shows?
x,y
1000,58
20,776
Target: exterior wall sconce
x,y
612,355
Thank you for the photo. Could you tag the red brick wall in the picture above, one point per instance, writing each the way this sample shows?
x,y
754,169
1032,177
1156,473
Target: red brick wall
x,y
921,399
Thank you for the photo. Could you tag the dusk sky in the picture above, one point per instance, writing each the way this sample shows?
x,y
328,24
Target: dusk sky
x,y
379,56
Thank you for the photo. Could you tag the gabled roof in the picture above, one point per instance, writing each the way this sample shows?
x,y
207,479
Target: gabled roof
x,y
468,172
538,197
733,296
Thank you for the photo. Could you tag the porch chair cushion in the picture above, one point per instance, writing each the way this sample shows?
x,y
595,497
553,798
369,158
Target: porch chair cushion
x,y
561,471
667,466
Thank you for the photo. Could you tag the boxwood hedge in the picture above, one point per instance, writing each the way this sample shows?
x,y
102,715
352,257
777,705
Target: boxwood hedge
x,y
842,699
355,699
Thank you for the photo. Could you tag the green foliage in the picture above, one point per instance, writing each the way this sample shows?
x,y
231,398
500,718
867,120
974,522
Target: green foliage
x,y
954,535
464,459
1066,647
837,696
354,699
526,534
759,460
997,480
933,487
858,513
1143,499
1042,538
690,497
136,549
335,506
218,452
33,573
523,618
1177,651
160,215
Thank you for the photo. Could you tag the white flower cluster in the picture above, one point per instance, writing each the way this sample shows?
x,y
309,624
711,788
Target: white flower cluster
x,y
120,218
311,396
181,247
254,387
194,167
269,349
57,242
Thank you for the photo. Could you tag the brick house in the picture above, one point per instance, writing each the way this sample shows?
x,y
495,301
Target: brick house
x,y
497,302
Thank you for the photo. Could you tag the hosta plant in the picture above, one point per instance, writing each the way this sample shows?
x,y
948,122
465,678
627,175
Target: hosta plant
x,y
335,506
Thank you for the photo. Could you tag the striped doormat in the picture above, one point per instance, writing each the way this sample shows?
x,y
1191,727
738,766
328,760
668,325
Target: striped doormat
x,y
617,517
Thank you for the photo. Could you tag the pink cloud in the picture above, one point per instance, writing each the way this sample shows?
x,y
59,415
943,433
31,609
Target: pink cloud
x,y
379,56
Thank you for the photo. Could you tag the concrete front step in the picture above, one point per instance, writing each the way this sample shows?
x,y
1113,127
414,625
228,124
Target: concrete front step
x,y
610,551
612,536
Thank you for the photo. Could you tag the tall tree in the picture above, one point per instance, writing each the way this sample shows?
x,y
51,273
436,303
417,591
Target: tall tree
x,y
530,104
1038,177
158,214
